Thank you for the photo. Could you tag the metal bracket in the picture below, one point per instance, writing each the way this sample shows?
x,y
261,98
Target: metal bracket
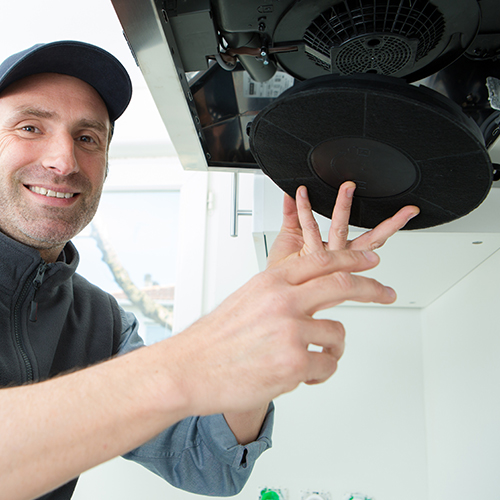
x,y
235,211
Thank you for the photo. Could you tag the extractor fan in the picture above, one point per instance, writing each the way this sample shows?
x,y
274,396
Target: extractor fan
x,y
400,96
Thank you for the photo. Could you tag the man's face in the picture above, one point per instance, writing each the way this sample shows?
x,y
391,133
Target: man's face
x,y
53,145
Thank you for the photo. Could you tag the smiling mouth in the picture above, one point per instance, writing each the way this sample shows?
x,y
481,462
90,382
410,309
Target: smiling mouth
x,y
49,193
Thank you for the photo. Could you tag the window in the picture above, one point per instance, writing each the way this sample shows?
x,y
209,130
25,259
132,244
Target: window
x,y
130,249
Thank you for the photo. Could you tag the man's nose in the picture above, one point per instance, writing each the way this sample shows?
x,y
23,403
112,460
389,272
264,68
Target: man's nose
x,y
59,155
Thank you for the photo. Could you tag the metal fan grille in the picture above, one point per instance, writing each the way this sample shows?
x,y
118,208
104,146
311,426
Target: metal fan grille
x,y
385,55
417,20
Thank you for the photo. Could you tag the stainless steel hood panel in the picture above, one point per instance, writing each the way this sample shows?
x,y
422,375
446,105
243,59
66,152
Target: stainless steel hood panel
x,y
152,42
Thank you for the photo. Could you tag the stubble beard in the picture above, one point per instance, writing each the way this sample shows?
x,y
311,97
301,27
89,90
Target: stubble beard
x,y
46,227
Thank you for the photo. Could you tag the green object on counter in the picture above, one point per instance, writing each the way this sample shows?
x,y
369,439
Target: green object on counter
x,y
269,495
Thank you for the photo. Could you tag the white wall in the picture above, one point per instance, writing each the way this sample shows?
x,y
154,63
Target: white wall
x,y
462,372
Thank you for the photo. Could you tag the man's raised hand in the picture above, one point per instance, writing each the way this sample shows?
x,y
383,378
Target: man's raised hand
x,y
300,233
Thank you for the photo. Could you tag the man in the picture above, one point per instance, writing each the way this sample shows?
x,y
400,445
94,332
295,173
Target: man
x,y
62,411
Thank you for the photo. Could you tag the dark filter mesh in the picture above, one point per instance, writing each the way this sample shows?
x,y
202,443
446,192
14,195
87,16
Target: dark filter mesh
x,y
453,166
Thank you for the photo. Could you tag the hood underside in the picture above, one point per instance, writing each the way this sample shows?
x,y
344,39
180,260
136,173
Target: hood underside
x,y
400,96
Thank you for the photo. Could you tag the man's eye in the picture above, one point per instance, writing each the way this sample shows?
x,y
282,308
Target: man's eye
x,y
30,128
86,138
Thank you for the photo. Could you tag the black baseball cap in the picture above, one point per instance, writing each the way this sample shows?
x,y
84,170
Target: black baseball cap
x,y
87,62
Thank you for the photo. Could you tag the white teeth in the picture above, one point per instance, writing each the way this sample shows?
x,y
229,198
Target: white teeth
x,y
50,193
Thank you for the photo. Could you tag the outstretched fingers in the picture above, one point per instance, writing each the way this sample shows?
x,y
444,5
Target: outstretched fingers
x,y
310,228
323,263
328,291
371,240
290,216
339,227
289,239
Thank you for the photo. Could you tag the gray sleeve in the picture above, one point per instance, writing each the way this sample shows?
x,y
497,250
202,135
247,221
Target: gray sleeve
x,y
201,455
198,454
129,338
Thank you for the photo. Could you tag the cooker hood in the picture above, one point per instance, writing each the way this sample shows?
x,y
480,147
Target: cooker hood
x,y
401,96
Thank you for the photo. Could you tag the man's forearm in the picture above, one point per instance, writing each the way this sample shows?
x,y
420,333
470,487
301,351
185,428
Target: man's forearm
x,y
246,426
52,431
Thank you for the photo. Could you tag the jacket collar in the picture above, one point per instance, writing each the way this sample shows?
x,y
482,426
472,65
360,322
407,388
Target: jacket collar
x,y
19,261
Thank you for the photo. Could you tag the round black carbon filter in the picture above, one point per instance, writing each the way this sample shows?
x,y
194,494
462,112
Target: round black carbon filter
x,y
401,145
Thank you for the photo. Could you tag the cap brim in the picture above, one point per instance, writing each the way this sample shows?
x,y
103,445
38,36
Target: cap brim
x,y
87,62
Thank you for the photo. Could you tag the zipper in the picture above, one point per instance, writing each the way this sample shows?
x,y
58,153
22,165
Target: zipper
x,y
37,283
34,280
